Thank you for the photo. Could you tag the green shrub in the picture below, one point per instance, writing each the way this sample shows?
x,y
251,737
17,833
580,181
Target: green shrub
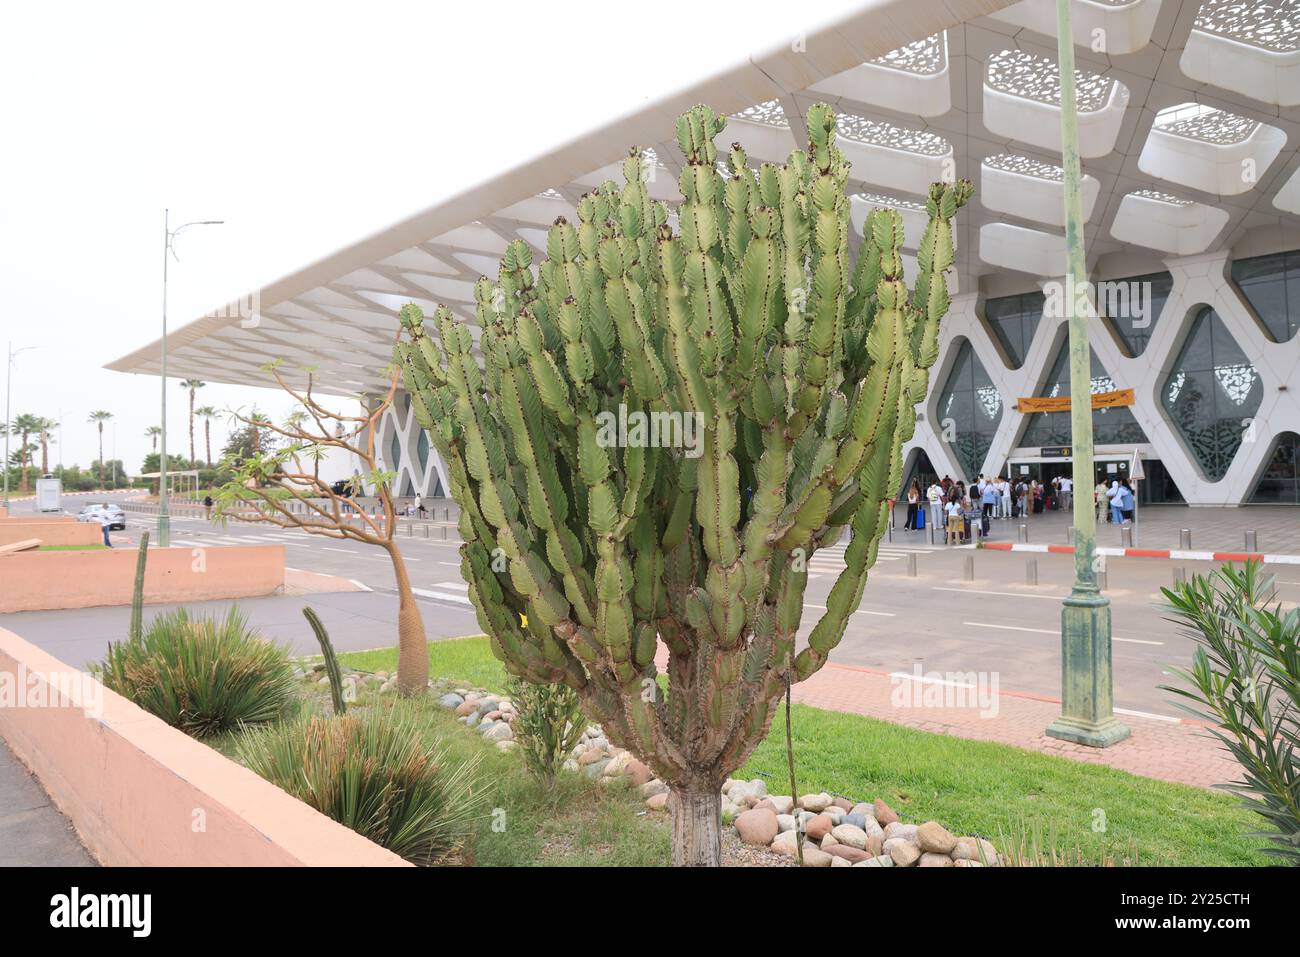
x,y
202,675
1245,678
377,773
548,726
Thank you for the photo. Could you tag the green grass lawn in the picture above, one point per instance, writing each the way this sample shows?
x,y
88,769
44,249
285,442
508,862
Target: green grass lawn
x,y
971,787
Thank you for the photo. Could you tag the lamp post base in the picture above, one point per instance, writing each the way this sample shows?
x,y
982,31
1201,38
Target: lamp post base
x,y
164,531
1087,716
1091,734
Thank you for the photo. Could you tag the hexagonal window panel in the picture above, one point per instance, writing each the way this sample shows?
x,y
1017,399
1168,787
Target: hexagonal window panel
x,y
1113,426
969,410
1271,284
1132,307
1012,321
1212,394
1279,483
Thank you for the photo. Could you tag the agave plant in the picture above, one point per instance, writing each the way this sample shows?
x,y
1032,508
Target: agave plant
x,y
666,424
375,773
202,675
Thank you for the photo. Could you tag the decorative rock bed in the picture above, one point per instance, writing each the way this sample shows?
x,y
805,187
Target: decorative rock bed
x,y
837,832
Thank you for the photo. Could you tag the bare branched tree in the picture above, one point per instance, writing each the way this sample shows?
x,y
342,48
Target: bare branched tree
x,y
281,486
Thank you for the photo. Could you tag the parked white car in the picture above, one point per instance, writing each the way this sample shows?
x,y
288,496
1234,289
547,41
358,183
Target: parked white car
x,y
92,513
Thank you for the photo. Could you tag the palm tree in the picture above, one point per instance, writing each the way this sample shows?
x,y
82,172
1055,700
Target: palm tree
x,y
193,385
99,417
45,435
152,433
207,413
24,426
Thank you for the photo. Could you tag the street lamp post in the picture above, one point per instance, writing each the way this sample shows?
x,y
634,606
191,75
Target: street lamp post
x,y
9,379
1087,699
169,236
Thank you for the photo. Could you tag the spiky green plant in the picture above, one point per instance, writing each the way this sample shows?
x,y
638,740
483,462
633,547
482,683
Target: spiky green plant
x,y
375,773
548,727
786,375
1245,680
202,675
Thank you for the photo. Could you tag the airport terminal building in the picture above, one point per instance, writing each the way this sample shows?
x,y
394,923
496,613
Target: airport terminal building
x,y
1189,124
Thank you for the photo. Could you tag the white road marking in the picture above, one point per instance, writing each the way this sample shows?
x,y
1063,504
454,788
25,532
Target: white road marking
x,y
459,586
443,596
1147,714
1052,631
860,611
1002,594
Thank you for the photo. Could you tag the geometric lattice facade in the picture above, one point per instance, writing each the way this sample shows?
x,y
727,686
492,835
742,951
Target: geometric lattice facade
x,y
1189,127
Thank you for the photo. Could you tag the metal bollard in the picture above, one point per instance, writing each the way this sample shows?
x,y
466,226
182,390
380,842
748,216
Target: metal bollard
x,y
1101,579
1069,534
444,533
1126,536
446,514
911,564
426,529
1031,571
1185,539
1024,533
969,568
1252,541
1180,576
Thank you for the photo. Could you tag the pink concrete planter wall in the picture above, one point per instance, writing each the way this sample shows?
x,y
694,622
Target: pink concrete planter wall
x,y
36,581
30,517
142,793
51,533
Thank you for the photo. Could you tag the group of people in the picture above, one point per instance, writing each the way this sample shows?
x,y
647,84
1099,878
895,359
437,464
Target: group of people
x,y
997,497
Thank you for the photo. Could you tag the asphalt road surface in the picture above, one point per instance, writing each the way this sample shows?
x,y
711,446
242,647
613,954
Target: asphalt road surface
x,y
937,620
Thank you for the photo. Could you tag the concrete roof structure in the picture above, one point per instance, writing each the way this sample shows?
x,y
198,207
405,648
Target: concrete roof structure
x,y
1189,125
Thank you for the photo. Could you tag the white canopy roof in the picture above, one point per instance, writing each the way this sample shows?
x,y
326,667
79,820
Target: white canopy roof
x,y
1188,119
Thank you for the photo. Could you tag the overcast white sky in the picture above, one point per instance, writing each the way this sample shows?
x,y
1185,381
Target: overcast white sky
x,y
305,126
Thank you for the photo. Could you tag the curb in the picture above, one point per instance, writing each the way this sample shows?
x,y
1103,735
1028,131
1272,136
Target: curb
x,y
1167,553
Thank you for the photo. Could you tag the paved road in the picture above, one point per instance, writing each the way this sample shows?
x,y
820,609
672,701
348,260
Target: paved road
x,y
33,832
938,620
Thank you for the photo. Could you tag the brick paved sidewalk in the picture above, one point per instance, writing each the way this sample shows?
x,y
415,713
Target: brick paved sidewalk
x,y
1181,751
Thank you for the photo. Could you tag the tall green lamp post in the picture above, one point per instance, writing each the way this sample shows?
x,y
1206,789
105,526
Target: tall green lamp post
x,y
1087,700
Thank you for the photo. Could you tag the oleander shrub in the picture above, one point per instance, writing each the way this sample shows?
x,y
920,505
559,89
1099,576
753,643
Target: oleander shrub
x,y
548,726
1245,680
203,675
377,772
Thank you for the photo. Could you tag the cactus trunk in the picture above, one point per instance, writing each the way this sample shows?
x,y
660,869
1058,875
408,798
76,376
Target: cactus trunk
x,y
697,826
658,427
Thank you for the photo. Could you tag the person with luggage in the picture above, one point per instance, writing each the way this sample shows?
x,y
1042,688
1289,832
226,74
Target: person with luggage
x,y
1126,501
988,502
935,497
956,520
1065,485
1100,502
1116,503
913,505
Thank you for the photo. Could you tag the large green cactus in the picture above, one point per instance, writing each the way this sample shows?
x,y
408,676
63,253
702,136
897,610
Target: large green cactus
x,y
589,549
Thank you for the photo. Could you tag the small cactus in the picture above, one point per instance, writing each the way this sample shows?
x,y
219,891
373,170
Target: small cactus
x,y
137,592
332,670
799,367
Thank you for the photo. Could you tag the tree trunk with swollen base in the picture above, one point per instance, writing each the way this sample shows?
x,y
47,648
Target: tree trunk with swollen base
x,y
412,643
667,425
697,826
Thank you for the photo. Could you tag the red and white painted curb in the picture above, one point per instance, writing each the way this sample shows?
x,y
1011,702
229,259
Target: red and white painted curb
x,y
1178,554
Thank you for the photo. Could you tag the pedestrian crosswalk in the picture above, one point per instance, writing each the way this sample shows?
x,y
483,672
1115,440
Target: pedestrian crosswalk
x,y
830,560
